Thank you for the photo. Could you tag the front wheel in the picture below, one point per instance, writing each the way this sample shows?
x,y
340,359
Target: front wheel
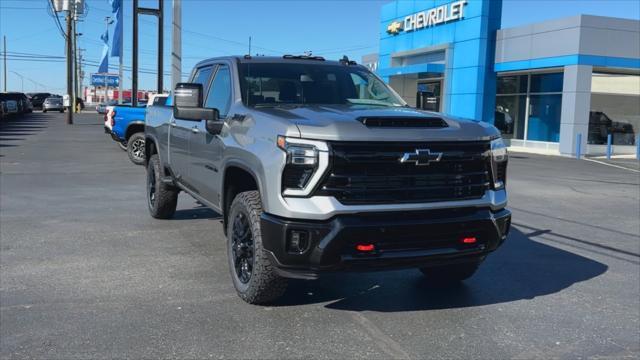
x,y
135,148
449,274
162,198
253,275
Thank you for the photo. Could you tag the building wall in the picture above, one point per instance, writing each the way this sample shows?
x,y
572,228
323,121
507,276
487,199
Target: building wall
x,y
469,89
576,40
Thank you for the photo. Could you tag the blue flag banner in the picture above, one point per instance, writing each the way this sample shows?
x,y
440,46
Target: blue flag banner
x,y
117,10
104,62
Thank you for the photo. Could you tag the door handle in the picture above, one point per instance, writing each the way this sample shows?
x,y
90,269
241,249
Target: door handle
x,y
195,130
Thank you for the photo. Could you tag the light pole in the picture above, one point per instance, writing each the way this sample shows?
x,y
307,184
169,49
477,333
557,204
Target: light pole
x,y
107,21
21,79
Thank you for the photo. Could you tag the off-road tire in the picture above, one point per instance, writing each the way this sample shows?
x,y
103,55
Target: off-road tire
x,y
135,148
164,203
264,285
450,274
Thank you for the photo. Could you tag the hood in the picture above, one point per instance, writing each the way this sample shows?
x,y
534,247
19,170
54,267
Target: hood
x,y
340,123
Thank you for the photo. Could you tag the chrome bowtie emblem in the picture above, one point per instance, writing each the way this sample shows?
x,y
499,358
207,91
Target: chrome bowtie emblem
x,y
421,157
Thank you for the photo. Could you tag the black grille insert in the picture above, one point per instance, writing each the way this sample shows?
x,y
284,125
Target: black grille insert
x,y
403,122
371,173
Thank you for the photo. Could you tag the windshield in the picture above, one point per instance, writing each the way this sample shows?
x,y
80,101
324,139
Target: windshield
x,y
273,84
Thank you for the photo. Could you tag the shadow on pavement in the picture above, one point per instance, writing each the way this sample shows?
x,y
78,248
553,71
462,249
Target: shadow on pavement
x,y
521,269
15,129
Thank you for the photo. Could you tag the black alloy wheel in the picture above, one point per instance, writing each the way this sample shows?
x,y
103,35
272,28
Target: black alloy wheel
x,y
242,248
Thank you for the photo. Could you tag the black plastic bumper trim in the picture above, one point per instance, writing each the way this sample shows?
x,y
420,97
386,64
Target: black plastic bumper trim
x,y
402,239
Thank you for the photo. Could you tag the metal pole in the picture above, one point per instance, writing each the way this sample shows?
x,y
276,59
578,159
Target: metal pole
x,y
578,145
75,63
5,64
638,147
134,53
160,46
69,66
176,44
608,146
120,65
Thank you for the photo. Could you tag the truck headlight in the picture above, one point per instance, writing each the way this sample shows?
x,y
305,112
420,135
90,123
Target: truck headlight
x,y
499,160
307,160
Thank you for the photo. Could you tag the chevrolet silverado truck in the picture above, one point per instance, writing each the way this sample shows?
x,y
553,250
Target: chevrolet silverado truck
x,y
318,166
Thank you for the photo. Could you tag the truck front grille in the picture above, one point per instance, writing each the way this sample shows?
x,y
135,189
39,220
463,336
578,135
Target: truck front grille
x,y
371,173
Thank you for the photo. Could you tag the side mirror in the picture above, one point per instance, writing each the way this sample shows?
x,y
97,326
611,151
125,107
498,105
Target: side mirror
x,y
188,106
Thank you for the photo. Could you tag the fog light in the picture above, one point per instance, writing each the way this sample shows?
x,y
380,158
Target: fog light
x,y
365,247
298,242
469,240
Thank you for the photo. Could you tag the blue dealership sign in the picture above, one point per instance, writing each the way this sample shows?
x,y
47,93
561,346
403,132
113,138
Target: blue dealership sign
x,y
105,80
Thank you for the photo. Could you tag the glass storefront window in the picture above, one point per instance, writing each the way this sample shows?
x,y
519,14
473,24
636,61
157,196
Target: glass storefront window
x,y
541,120
546,83
512,84
510,115
615,109
544,117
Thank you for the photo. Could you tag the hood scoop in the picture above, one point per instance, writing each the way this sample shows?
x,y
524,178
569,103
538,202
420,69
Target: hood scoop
x,y
402,122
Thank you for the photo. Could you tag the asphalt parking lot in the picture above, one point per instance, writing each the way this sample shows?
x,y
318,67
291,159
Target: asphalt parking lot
x,y
85,272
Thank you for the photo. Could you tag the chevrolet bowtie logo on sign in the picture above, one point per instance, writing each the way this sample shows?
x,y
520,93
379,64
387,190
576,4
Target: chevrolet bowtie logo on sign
x,y
421,157
394,28
432,17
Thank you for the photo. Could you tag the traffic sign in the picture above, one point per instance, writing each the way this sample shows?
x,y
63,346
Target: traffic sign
x,y
105,80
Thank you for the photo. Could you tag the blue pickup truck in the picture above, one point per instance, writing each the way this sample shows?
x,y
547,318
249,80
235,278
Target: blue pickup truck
x,y
126,127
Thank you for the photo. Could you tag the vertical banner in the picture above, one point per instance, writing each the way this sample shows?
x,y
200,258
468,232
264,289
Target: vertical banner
x,y
117,10
104,62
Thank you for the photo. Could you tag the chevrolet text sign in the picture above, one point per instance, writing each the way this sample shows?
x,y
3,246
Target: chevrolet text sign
x,y
428,18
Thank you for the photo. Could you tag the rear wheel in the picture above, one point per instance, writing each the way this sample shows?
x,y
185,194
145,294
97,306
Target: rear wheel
x,y
135,148
253,275
162,198
448,274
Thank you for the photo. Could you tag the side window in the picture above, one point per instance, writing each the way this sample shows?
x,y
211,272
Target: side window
x,y
202,77
219,96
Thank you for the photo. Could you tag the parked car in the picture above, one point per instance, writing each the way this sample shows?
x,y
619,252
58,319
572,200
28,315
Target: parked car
x,y
53,104
23,104
3,110
319,166
10,103
102,107
37,99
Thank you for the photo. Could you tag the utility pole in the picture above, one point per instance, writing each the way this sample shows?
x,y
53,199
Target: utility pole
x,y
249,45
176,44
70,36
5,63
75,62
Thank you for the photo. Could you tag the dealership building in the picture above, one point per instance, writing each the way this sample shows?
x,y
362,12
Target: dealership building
x,y
550,85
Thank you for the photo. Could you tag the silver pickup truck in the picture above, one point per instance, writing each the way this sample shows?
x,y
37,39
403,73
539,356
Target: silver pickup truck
x,y
318,166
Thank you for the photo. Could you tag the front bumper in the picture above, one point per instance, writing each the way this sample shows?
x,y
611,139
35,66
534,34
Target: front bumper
x,y
401,240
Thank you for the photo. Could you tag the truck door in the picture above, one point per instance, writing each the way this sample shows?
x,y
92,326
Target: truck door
x,y
180,132
206,149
